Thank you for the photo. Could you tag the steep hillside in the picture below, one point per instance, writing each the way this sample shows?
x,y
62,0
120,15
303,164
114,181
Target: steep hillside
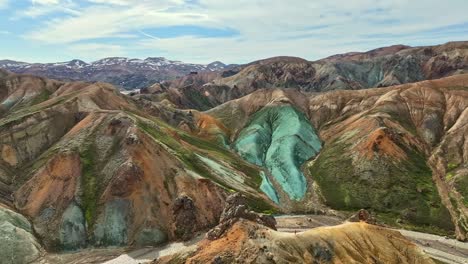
x,y
400,151
90,166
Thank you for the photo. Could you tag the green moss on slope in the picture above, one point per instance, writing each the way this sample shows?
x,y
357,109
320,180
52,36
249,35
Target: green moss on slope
x,y
90,184
403,188
43,96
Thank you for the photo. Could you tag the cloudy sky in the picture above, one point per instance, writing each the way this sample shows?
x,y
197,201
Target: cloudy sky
x,y
233,31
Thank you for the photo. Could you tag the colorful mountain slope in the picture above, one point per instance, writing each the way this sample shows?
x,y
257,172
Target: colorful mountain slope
x,y
398,150
89,166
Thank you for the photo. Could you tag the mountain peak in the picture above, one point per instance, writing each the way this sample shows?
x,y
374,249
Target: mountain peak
x,y
217,64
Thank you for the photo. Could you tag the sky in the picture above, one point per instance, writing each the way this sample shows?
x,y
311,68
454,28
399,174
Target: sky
x,y
232,31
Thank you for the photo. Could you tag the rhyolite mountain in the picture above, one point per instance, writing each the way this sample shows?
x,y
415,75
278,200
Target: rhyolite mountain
x,y
89,166
400,151
123,72
84,165
351,71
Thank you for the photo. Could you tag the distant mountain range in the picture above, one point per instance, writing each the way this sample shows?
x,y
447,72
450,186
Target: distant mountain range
x,y
382,67
123,72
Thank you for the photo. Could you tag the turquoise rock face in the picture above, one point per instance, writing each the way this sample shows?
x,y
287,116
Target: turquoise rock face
x,y
111,229
73,228
281,139
17,243
268,188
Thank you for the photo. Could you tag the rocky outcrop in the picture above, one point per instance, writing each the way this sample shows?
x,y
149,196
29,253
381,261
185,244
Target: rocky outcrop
x,y
185,217
362,216
153,89
235,209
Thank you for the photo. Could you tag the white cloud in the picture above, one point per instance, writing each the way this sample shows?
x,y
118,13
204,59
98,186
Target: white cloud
x,y
44,7
310,29
103,21
115,2
90,51
45,2
4,4
4,32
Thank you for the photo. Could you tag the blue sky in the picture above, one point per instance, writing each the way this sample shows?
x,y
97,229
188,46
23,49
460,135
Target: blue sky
x,y
203,31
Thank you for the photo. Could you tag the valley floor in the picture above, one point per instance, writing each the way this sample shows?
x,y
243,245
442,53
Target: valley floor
x,y
439,248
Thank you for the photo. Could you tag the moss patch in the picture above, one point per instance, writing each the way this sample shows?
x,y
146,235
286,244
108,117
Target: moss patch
x,y
42,97
188,156
392,219
402,188
90,183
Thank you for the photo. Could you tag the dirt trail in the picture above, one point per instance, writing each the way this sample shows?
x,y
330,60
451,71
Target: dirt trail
x,y
440,248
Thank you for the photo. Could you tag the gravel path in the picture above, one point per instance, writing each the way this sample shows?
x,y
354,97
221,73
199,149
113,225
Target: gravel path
x,y
446,250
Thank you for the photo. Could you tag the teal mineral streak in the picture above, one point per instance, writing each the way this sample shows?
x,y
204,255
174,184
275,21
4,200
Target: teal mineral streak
x,y
268,188
281,139
253,143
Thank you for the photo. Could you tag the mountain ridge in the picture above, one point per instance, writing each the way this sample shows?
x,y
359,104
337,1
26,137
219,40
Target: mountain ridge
x,y
383,67
128,73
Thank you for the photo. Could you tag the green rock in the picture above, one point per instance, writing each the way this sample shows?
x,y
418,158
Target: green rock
x,y
17,243
111,228
73,228
281,139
